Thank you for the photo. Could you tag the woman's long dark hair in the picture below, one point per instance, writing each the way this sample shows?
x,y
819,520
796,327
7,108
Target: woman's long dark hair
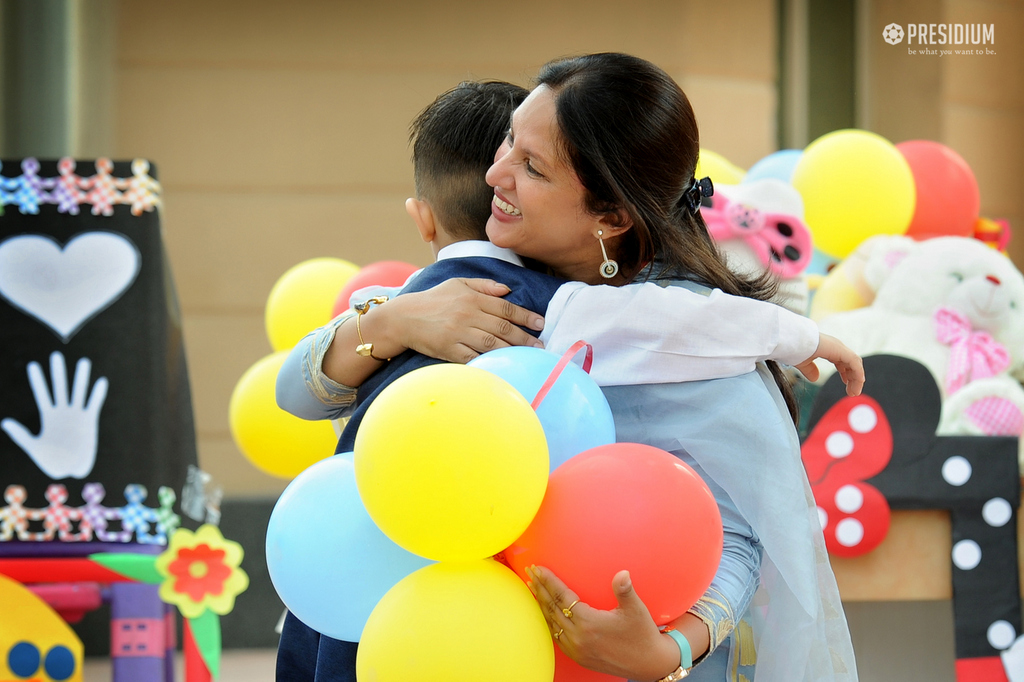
x,y
630,134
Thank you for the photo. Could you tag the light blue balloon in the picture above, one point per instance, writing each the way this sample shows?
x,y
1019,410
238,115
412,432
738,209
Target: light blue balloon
x,y
329,562
575,414
778,165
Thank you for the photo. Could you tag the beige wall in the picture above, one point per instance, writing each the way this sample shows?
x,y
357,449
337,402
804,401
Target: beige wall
x,y
279,130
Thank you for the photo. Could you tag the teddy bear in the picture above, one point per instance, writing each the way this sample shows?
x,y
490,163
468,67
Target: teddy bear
x,y
956,306
758,226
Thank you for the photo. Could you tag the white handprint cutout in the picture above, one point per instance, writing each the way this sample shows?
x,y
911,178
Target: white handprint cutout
x,y
69,429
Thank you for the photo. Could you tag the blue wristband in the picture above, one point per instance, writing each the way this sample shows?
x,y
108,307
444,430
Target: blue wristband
x,y
685,654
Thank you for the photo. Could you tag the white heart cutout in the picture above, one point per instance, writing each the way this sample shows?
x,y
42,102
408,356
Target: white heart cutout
x,y
65,288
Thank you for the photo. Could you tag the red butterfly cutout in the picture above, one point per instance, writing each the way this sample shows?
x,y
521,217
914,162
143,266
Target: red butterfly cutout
x,y
852,442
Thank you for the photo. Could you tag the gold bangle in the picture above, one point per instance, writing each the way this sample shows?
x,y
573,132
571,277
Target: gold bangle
x,y
366,349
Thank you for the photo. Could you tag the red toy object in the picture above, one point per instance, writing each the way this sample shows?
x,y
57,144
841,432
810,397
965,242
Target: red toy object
x,y
195,666
30,571
626,506
852,442
385,273
947,192
983,669
71,600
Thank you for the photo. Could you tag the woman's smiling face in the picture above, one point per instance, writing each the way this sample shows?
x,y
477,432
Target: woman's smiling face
x,y
538,209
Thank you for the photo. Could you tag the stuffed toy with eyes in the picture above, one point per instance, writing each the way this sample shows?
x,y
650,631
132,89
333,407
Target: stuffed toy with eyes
x,y
956,306
759,226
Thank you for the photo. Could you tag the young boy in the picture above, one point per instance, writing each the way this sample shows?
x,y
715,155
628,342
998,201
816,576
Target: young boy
x,y
454,140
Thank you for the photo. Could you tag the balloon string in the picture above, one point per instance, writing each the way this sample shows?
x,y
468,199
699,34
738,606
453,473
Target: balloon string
x,y
588,359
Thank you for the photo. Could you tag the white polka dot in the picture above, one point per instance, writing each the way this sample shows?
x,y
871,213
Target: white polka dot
x,y
863,418
997,512
849,499
849,532
839,444
956,470
1001,635
966,554
822,517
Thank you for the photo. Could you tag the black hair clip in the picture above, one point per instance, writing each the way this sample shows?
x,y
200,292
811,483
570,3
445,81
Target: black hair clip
x,y
698,191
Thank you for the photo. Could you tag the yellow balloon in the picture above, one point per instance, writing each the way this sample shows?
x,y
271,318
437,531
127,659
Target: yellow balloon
x,y
854,184
451,462
428,627
303,298
276,442
718,168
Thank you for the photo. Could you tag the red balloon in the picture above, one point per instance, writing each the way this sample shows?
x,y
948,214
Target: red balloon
x,y
385,273
568,670
626,506
947,192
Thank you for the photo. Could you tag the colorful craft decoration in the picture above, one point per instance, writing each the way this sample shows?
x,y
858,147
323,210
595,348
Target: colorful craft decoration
x,y
68,191
201,574
975,477
92,520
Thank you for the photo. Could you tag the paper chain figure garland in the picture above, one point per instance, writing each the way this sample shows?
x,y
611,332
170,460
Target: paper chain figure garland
x,y
867,454
68,190
149,526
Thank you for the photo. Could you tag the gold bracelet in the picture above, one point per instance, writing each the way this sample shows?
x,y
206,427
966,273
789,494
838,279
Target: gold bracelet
x,y
366,349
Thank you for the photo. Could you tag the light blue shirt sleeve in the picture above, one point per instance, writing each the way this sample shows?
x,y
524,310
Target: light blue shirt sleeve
x,y
738,576
302,388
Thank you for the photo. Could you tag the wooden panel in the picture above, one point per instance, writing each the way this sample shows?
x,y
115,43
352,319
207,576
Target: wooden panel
x,y
228,249
992,143
219,457
990,80
220,349
736,117
912,563
401,34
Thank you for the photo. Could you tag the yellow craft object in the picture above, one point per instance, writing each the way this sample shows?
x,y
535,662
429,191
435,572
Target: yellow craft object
x,y
427,627
718,168
303,298
35,643
279,443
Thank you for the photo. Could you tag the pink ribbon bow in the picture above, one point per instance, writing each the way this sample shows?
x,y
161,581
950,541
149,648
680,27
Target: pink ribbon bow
x,y
782,242
972,355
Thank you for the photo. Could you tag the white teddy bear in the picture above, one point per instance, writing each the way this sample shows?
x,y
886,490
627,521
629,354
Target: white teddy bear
x,y
957,307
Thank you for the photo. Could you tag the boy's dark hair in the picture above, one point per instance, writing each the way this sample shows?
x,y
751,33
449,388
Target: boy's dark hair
x,y
453,144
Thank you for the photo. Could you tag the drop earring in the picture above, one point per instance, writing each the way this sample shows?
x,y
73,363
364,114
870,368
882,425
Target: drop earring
x,y
608,267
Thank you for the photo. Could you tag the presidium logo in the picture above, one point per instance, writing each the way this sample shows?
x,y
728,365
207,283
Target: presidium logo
x,y
958,38
893,34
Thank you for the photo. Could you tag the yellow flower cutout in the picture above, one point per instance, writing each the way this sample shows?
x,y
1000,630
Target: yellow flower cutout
x,y
201,571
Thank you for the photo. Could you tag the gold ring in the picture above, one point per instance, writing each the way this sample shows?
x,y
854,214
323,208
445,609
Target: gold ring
x,y
568,609
559,633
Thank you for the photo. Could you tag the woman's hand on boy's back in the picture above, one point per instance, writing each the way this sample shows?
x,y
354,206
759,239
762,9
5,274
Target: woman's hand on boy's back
x,y
461,318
